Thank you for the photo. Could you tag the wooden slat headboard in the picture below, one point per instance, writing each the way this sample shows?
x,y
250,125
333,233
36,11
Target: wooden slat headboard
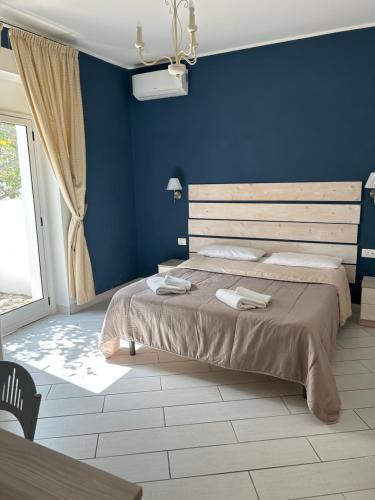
x,y
321,227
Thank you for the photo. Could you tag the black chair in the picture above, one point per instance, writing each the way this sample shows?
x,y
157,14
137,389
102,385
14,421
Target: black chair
x,y
18,396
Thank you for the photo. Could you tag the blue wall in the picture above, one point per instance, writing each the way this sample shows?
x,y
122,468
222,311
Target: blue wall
x,y
110,219
297,111
5,42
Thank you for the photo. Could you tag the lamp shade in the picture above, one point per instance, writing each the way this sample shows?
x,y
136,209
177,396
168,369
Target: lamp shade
x,y
370,184
174,184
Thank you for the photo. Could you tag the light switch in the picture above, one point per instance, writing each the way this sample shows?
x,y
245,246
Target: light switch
x,y
181,242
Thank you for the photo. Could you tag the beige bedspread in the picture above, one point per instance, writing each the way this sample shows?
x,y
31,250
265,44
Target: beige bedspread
x,y
291,339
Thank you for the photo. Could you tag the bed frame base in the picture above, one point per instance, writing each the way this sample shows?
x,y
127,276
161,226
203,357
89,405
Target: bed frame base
x,y
132,348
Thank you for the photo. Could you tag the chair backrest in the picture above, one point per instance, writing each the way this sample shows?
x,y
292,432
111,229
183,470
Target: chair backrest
x,y
18,396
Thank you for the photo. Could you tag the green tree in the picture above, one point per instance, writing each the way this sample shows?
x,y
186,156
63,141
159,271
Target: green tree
x,y
10,179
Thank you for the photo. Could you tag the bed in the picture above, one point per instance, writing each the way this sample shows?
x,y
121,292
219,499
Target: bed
x,y
291,339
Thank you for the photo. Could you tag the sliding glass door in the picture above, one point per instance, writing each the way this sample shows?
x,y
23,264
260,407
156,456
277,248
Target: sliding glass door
x,y
23,286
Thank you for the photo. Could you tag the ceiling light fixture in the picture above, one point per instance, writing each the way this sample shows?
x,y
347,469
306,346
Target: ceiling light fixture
x,y
176,66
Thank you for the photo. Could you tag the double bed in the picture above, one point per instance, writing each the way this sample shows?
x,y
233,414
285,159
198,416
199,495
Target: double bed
x,y
292,339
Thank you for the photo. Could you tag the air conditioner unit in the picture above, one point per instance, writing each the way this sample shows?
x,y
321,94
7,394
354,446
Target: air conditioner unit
x,y
158,85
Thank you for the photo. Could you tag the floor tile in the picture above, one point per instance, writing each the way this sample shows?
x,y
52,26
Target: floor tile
x,y
94,423
348,367
368,415
240,456
167,369
357,399
141,358
213,378
344,445
326,497
286,426
42,378
165,357
165,438
33,366
161,398
259,390
369,364
73,406
120,386
43,390
349,400
286,483
296,404
215,487
362,341
6,416
355,381
78,447
228,410
360,495
135,468
12,426
349,333
353,321
354,354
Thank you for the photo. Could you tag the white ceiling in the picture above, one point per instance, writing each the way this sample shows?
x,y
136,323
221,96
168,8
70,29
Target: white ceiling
x,y
107,28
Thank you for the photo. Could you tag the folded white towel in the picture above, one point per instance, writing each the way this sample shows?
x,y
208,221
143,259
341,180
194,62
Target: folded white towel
x,y
179,282
258,299
234,300
158,285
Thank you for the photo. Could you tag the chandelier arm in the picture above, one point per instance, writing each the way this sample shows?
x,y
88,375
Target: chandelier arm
x,y
155,61
191,62
192,52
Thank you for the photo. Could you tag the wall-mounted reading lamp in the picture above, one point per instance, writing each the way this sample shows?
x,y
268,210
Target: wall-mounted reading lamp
x,y
174,184
370,184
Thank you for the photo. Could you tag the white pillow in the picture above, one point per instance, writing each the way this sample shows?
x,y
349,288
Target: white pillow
x,y
304,260
232,252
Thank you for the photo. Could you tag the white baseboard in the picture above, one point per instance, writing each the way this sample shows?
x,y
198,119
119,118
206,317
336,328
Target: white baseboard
x,y
101,297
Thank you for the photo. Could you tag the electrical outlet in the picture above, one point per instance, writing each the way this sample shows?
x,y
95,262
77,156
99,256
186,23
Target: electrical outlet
x,y
181,242
368,252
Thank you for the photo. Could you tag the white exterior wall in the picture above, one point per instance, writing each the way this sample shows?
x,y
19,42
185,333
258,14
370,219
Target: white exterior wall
x,y
15,275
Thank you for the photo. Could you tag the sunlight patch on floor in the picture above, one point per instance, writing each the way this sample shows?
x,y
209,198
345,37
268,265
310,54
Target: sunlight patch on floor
x,y
66,348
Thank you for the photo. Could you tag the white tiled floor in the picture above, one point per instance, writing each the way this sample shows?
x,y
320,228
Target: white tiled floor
x,y
187,430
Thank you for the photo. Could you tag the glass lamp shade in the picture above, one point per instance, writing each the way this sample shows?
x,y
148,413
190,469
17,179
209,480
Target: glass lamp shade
x,y
370,184
174,184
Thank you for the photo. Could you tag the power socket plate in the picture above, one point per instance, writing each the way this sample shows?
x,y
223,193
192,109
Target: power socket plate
x,y
368,252
181,242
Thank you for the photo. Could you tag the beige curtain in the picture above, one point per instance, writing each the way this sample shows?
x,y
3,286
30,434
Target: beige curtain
x,y
50,75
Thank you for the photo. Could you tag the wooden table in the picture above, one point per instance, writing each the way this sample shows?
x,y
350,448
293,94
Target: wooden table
x,y
29,471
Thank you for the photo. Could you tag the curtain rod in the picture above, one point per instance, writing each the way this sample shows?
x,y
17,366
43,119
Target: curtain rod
x,y
9,25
